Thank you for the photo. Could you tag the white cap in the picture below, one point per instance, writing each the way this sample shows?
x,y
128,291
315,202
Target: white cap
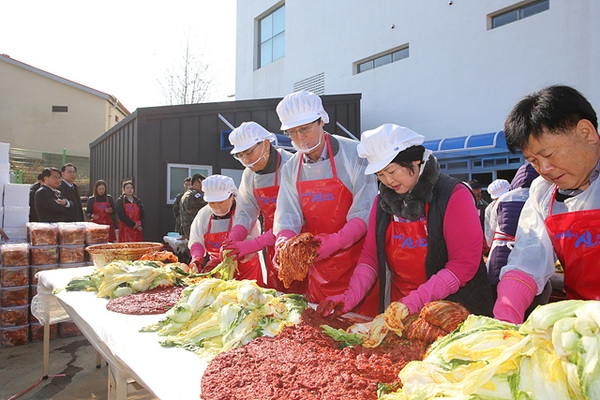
x,y
218,188
300,108
247,135
498,187
382,144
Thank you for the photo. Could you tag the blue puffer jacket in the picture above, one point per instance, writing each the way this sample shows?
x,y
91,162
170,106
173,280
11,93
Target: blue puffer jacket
x,y
509,208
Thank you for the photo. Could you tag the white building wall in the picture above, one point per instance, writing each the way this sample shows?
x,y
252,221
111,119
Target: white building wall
x,y
461,78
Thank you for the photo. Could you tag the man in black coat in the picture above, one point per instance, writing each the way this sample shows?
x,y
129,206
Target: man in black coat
x,y
50,205
69,190
32,214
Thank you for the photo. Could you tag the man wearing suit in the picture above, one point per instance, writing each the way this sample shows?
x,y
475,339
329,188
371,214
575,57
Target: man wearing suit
x,y
49,202
69,190
32,214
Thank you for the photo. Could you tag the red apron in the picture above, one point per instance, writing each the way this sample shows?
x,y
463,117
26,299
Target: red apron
x,y
104,218
267,201
127,234
406,249
576,240
250,269
325,204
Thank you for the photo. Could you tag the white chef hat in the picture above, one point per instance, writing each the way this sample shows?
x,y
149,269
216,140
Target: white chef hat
x,y
498,187
218,188
300,108
382,144
247,135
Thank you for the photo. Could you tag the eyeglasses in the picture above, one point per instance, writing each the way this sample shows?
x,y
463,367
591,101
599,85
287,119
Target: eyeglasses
x,y
303,130
244,154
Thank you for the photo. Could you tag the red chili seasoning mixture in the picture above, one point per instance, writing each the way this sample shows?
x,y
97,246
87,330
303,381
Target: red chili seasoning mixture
x,y
304,363
155,301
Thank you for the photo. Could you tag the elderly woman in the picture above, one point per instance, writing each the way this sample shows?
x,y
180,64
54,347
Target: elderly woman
x,y
257,196
212,225
424,231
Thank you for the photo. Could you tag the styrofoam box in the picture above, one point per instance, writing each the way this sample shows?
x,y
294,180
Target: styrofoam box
x,y
4,153
16,195
16,234
15,217
4,174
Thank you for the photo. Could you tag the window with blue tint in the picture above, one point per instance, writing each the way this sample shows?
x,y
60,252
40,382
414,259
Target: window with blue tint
x,y
400,54
388,57
362,67
271,35
519,12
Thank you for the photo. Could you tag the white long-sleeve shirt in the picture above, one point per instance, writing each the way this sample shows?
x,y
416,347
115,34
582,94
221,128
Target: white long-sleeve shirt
x,y
200,227
533,252
248,210
350,170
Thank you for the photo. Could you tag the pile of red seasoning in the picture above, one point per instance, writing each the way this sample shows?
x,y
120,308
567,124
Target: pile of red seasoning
x,y
303,363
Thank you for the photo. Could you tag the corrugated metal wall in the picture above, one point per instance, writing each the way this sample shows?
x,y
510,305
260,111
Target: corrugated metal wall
x,y
142,145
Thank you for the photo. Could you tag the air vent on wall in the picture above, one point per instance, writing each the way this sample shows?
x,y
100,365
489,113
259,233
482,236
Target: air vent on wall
x,y
315,84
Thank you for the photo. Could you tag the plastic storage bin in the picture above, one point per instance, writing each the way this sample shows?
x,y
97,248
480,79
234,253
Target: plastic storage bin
x,y
42,233
14,335
14,276
15,254
14,316
14,296
44,255
71,254
71,233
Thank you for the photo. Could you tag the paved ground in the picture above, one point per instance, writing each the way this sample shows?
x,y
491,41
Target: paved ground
x,y
21,367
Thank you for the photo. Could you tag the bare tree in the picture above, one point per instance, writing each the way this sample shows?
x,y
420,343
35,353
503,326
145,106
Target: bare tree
x,y
187,82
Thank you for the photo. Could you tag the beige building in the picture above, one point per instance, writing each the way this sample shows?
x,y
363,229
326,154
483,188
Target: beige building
x,y
44,113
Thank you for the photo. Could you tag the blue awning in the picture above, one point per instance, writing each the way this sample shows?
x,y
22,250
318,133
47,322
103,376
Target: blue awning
x,y
472,145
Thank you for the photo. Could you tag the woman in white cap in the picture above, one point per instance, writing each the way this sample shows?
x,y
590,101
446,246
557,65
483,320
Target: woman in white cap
x,y
323,191
424,231
211,227
257,196
496,189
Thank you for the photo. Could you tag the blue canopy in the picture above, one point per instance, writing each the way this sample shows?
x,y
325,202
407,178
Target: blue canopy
x,y
472,145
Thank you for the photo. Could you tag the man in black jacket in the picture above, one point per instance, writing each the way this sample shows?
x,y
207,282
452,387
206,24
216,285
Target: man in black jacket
x,y
32,213
70,192
50,205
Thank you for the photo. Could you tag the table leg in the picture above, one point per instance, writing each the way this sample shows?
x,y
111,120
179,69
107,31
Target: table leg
x,y
98,359
46,350
117,385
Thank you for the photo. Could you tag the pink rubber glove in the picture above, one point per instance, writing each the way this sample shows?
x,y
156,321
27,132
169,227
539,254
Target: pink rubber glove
x,y
237,233
516,291
281,238
438,287
245,247
361,282
197,252
351,232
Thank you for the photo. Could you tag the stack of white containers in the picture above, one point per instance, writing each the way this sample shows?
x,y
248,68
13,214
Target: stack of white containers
x,y
4,164
15,200
4,171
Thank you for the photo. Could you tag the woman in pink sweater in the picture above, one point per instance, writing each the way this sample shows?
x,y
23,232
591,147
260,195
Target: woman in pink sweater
x,y
424,232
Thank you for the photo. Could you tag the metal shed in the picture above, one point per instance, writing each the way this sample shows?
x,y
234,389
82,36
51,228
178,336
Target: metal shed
x,y
157,147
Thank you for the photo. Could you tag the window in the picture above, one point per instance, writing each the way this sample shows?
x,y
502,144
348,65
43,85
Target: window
x,y
388,57
60,108
271,33
520,12
176,173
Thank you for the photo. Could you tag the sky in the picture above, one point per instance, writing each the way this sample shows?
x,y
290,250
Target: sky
x,y
123,47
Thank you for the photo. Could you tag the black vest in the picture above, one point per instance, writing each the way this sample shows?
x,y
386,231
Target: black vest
x,y
476,295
